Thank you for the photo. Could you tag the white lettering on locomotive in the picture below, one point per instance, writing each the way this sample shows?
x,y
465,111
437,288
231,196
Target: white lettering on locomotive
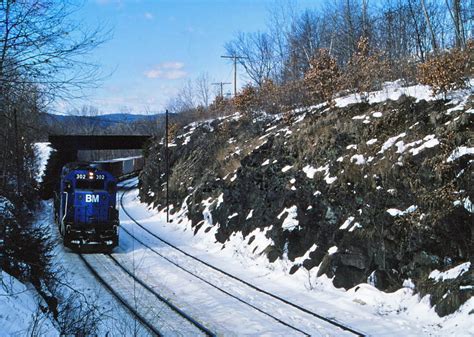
x,y
92,198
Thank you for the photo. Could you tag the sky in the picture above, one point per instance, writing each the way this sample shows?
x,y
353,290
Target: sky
x,y
158,45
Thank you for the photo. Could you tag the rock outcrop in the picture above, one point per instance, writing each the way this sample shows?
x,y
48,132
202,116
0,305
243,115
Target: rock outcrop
x,y
383,190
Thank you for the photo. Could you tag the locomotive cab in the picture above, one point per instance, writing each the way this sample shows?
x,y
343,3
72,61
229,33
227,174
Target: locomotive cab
x,y
86,206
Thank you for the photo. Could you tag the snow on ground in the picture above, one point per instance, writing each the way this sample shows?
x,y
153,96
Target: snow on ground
x,y
451,273
358,159
286,168
310,171
459,152
20,312
347,223
397,212
289,222
81,284
430,141
43,151
394,90
364,307
390,142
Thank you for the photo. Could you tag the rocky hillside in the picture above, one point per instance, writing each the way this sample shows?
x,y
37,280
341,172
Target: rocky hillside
x,y
377,192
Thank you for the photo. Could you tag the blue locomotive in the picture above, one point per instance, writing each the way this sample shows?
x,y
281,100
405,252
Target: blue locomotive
x,y
85,207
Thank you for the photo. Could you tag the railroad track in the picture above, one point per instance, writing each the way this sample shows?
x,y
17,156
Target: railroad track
x,y
154,312
338,326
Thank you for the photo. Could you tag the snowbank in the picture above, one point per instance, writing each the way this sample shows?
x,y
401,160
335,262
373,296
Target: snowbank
x,y
43,151
20,313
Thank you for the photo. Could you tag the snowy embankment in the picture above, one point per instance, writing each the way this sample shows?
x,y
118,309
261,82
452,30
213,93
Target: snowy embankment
x,y
84,304
363,307
356,196
43,152
22,312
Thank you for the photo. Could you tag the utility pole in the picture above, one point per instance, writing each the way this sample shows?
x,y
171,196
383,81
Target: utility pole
x,y
167,169
221,84
235,58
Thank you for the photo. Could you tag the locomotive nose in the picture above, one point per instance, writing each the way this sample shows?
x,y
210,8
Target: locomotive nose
x,y
91,207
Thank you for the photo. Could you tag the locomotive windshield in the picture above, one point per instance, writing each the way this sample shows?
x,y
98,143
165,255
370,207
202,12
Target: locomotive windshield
x,y
90,184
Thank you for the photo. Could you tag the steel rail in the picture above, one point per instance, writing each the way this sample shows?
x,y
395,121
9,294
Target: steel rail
x,y
294,305
214,286
164,300
137,315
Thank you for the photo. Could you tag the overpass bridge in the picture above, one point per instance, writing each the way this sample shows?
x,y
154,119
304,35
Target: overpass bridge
x,y
66,150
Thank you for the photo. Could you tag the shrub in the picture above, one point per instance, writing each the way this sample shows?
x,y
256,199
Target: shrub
x,y
365,70
221,106
172,131
403,68
270,97
293,94
247,100
446,71
322,80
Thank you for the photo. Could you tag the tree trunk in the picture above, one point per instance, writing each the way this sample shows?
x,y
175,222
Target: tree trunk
x,y
419,42
430,28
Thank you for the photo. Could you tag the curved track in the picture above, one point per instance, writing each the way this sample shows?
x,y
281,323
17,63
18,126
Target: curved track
x,y
284,301
129,307
148,308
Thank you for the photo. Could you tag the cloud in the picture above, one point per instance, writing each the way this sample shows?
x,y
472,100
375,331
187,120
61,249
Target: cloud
x,y
148,16
167,70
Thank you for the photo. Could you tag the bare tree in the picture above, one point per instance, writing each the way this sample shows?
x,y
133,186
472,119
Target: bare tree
x,y
41,57
282,15
455,11
184,100
257,50
87,124
40,43
430,27
203,89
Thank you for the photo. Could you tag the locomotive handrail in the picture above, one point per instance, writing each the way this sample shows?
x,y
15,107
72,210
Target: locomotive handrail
x,y
65,208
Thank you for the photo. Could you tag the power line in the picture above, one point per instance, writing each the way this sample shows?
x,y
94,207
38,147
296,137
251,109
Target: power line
x,y
221,84
235,58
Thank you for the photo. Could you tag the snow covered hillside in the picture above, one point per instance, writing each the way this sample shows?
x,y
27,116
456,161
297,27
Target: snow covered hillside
x,y
359,193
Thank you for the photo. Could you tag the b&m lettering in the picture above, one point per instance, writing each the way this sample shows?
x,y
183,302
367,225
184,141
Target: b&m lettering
x,y
92,198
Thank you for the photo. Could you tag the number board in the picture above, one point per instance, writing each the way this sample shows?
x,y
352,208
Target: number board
x,y
83,176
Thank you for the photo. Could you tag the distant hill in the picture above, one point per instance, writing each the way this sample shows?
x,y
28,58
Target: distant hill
x,y
127,118
101,120
103,124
